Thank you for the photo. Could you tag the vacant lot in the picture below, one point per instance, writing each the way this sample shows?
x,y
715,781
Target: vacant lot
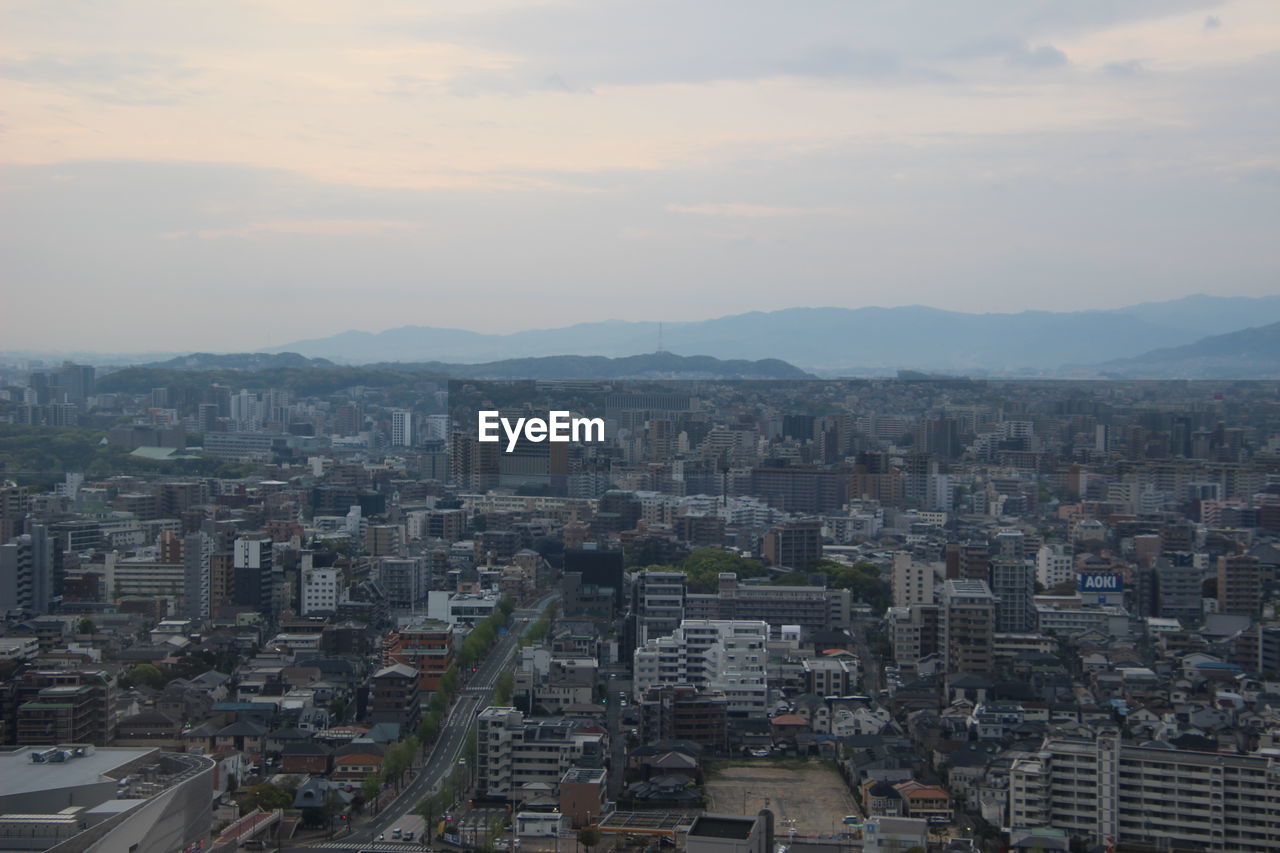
x,y
809,792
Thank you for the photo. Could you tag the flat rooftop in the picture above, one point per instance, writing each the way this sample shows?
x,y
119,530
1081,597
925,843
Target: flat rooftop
x,y
18,775
723,826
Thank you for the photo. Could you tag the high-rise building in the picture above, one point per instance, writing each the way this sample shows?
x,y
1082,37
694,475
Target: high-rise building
x,y
712,654
254,575
1239,584
1013,585
513,751
913,632
913,581
426,645
197,552
318,593
794,544
13,509
657,603
1055,565
402,428
966,626
1155,797
26,571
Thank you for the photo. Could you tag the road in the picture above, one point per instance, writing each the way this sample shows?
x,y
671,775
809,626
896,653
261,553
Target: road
x,y
453,734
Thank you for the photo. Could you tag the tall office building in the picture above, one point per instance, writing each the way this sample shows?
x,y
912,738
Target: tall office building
x,y
657,603
966,626
1239,584
26,572
1013,585
402,428
254,575
197,553
794,544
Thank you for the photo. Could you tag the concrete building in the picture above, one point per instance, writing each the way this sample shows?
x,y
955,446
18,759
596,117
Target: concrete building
x,y
318,594
401,428
513,751
913,581
683,712
657,603
725,655
722,833
794,544
1013,585
1107,791
813,608
85,799
966,626
426,646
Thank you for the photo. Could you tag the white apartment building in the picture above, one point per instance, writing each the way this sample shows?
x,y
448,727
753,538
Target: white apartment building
x,y
913,581
512,751
1055,564
401,428
319,593
1112,792
728,655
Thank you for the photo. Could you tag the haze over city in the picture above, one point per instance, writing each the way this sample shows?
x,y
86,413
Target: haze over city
x,y
237,176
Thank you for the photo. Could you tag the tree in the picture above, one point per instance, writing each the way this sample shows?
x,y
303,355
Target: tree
x,y
430,808
502,690
371,787
428,728
588,837
86,626
146,674
267,797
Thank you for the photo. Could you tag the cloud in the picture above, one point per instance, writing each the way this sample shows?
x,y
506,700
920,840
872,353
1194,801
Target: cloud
x,y
754,211
1044,56
1124,68
301,227
138,78
1212,22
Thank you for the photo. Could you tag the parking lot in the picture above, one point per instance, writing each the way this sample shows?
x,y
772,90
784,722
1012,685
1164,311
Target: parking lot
x,y
806,791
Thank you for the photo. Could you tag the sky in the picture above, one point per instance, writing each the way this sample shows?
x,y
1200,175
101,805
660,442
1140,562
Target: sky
x,y
235,175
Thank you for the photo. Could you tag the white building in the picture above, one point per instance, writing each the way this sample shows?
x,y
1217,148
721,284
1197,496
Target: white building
x,y
728,655
1117,793
913,582
319,592
401,428
1055,564
512,752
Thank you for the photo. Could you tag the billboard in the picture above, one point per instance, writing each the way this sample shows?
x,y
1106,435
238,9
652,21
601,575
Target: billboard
x,y
1099,582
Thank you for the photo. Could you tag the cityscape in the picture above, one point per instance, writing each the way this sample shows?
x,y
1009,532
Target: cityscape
x,y
861,614
637,426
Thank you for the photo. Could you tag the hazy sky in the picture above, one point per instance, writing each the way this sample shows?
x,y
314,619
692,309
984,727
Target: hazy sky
x,y
232,175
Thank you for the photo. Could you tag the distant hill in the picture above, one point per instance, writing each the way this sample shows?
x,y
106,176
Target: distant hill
x,y
660,365
835,339
240,361
1246,354
319,376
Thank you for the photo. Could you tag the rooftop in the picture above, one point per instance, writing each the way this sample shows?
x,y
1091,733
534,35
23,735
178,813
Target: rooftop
x,y
723,826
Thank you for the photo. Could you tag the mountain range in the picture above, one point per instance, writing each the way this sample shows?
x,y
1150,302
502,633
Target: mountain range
x,y
840,340
1246,354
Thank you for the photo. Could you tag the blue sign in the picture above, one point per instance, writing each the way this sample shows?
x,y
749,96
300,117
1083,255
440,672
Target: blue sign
x,y
1099,582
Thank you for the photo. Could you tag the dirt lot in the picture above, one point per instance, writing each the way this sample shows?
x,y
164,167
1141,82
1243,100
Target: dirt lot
x,y
809,792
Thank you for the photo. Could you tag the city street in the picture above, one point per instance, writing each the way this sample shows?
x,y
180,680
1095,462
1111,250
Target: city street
x,y
451,742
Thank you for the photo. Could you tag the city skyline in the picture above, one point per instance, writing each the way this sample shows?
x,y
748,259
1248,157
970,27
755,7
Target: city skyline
x,y
237,177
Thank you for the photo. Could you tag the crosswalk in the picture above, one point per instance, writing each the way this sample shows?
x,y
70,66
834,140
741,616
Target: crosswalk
x,y
378,846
